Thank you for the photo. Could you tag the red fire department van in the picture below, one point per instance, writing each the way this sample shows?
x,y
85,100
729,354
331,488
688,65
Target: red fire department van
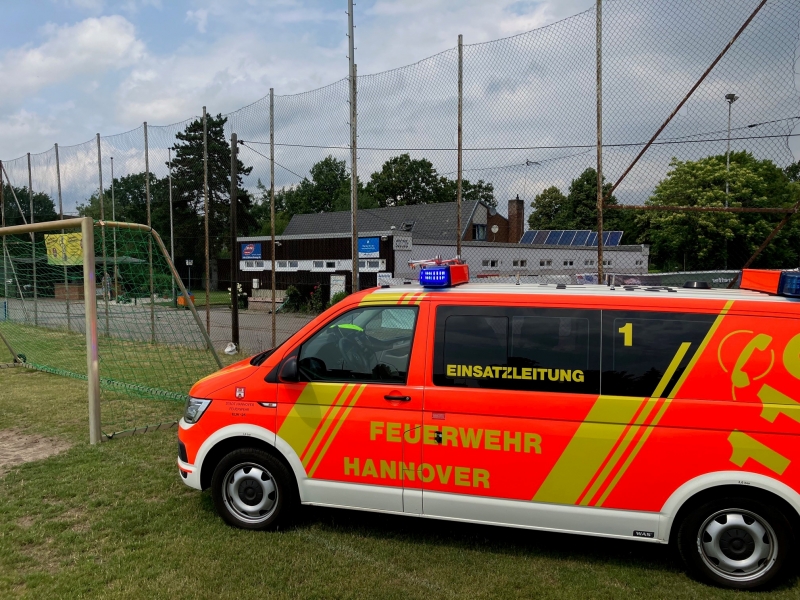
x,y
655,414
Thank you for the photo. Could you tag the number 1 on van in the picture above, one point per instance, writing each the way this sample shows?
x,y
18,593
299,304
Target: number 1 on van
x,y
627,331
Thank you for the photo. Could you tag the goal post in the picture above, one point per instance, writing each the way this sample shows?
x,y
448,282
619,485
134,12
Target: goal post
x,y
147,353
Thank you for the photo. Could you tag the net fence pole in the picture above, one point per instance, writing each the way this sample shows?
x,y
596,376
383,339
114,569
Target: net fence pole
x,y
460,141
63,240
8,255
149,241
205,220
354,179
33,246
171,227
3,224
272,207
104,283
92,360
114,233
600,198
353,146
234,249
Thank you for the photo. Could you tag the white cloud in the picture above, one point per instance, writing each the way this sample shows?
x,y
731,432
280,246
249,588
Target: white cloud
x,y
199,17
89,47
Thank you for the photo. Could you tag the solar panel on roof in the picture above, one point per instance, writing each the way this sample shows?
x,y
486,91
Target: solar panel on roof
x,y
580,238
527,237
592,241
566,238
553,237
614,238
541,237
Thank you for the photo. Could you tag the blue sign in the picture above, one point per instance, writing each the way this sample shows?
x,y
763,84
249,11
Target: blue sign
x,y
369,247
251,251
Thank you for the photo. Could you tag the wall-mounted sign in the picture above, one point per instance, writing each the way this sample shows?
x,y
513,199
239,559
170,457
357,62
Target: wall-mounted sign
x,y
401,243
384,278
369,247
251,251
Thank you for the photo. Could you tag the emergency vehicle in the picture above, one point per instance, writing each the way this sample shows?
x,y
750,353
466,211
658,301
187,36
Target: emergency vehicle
x,y
663,415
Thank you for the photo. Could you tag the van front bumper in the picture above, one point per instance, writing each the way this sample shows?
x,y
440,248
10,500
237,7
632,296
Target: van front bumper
x,y
189,474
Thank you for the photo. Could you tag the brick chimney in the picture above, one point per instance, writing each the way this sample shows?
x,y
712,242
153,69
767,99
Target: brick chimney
x,y
516,220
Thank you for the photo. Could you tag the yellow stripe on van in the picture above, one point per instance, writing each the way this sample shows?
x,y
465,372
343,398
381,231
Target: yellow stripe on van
x,y
304,418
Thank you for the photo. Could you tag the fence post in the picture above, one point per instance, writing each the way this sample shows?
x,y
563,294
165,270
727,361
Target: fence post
x,y
600,199
63,241
92,360
171,226
205,211
272,205
353,146
150,241
33,246
101,198
3,224
114,232
234,247
460,140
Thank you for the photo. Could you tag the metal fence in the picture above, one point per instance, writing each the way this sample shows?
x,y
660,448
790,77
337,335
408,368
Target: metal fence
x,y
484,151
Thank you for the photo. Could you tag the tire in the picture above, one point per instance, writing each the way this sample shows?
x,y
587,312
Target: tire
x,y
254,490
736,542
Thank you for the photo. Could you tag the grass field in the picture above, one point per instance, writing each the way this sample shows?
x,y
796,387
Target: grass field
x,y
115,521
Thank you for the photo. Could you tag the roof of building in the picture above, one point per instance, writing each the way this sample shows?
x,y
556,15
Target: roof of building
x,y
423,221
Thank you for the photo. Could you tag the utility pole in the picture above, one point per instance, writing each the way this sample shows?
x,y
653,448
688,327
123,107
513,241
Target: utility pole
x,y
600,202
272,205
353,145
234,248
460,140
205,220
731,98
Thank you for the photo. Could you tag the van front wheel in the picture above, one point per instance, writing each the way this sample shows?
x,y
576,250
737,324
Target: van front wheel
x,y
736,542
253,490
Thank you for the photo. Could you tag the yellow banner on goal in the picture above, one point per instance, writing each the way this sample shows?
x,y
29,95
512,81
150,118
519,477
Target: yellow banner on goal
x,y
64,248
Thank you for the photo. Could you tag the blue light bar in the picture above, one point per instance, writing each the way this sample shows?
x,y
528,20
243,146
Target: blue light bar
x,y
438,276
789,284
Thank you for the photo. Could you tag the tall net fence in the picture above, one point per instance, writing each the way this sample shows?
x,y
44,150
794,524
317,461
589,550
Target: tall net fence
x,y
151,349
529,167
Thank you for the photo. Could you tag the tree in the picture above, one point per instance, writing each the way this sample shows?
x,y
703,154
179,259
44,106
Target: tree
x,y
705,241
582,202
44,209
549,210
404,181
187,182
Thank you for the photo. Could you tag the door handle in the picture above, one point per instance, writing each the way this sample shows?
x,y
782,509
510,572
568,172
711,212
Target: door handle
x,y
398,398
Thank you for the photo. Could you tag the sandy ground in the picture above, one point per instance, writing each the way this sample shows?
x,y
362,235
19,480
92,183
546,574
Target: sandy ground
x,y
17,448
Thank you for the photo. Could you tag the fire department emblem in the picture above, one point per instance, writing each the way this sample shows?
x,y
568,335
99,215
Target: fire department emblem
x,y
239,393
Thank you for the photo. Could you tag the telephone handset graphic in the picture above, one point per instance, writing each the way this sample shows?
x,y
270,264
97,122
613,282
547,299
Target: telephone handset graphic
x,y
761,342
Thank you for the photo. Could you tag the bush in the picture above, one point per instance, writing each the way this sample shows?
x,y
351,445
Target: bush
x,y
317,304
293,301
336,298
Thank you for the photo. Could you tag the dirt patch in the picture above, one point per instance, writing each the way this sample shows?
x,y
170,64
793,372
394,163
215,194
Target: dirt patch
x,y
17,448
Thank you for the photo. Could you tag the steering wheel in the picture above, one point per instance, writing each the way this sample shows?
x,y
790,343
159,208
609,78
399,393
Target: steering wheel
x,y
352,353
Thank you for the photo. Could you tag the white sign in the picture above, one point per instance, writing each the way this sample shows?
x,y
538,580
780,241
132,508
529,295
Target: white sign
x,y
401,243
189,262
337,284
255,284
384,279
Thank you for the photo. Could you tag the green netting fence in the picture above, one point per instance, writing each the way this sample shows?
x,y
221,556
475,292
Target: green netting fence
x,y
151,347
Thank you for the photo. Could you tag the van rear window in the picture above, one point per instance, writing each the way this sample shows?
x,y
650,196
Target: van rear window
x,y
517,349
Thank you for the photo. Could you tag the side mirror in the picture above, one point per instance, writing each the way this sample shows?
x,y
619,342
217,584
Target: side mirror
x,y
288,372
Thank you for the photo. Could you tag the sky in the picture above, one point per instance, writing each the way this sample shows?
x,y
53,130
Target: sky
x,y
73,68
77,67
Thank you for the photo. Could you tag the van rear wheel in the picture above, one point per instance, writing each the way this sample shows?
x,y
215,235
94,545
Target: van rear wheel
x,y
735,542
253,490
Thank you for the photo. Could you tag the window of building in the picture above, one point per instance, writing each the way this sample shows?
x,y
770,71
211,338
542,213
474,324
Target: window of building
x,y
478,232
545,263
588,263
517,348
373,264
367,345
490,263
639,263
330,264
607,263
407,226
318,264
638,348
568,263
520,263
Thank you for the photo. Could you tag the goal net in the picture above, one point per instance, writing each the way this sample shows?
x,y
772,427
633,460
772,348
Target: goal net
x,y
102,302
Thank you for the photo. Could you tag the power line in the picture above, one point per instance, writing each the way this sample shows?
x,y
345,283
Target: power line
x,y
564,147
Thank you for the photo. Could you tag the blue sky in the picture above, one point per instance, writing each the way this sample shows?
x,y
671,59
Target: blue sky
x,y
76,67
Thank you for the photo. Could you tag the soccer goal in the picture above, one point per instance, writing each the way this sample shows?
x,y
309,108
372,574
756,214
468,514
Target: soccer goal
x,y
103,302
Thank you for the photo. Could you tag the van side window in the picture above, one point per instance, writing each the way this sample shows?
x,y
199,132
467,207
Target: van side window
x,y
371,344
517,349
639,347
